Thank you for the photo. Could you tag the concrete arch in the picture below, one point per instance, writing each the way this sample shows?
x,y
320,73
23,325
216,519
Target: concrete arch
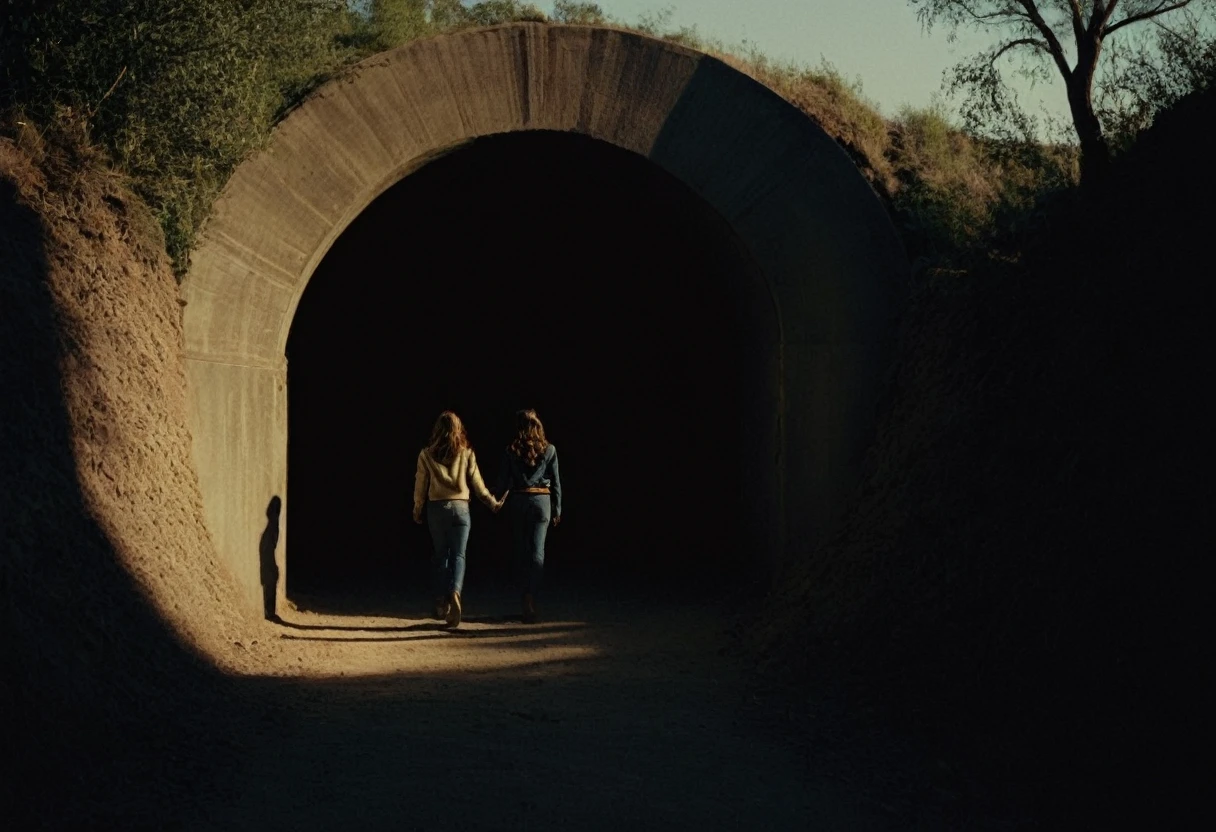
x,y
811,224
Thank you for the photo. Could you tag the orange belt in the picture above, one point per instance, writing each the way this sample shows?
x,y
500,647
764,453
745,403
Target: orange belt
x,y
532,491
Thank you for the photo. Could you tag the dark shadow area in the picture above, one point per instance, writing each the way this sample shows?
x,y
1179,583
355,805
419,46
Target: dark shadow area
x,y
267,568
626,722
437,629
95,694
390,628
1025,591
540,270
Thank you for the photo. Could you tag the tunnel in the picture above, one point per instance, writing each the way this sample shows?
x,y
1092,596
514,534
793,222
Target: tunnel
x,y
638,336
686,277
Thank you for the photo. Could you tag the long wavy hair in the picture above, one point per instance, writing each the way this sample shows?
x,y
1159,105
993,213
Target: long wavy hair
x,y
529,443
447,438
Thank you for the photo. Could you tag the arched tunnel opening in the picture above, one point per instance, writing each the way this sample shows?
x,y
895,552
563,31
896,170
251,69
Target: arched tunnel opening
x,y
552,271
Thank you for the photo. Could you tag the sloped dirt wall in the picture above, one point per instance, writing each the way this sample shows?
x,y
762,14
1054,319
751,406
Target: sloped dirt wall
x,y
116,617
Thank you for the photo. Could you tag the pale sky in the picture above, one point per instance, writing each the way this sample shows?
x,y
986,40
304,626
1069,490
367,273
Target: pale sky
x,y
878,41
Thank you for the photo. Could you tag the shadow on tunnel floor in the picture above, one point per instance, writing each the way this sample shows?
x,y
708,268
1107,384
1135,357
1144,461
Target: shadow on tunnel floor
x,y
616,714
407,601
496,603
436,630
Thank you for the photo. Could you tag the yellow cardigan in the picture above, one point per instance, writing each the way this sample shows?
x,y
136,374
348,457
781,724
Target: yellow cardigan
x,y
433,481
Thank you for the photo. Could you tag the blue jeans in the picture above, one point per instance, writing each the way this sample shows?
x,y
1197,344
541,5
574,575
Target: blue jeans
x,y
529,524
449,524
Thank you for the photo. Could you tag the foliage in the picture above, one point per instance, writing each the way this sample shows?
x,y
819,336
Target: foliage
x,y
1055,37
385,23
838,104
178,93
494,12
961,196
1151,75
578,13
952,194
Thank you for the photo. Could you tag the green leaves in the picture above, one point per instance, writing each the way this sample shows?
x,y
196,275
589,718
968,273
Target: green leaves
x,y
1038,38
574,12
178,93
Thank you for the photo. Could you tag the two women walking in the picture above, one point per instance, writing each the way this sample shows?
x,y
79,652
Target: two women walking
x,y
447,473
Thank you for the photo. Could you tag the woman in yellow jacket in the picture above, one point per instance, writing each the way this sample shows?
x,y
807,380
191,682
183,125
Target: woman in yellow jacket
x,y
447,468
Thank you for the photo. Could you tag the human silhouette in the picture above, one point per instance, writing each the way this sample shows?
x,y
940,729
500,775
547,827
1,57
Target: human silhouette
x,y
269,568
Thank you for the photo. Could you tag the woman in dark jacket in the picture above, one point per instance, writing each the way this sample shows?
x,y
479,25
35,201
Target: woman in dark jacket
x,y
529,474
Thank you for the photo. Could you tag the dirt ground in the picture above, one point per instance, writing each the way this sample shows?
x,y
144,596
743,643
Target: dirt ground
x,y
610,713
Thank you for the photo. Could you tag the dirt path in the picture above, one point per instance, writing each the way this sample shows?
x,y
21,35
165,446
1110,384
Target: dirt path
x,y
608,714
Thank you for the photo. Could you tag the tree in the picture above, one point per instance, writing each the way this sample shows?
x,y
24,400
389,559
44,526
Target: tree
x,y
582,14
393,22
494,12
1065,35
1151,75
178,93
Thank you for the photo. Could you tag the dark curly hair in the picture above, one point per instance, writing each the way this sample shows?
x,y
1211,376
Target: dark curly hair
x,y
529,443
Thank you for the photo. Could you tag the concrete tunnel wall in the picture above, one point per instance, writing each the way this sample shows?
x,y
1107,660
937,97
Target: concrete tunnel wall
x,y
814,229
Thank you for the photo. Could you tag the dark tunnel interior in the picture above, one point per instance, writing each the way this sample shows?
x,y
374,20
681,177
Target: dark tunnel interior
x,y
542,270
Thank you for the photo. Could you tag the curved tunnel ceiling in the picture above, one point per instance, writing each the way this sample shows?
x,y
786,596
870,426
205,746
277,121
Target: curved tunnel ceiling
x,y
814,229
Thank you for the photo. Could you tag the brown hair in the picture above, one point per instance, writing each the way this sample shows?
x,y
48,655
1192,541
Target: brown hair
x,y
447,438
529,442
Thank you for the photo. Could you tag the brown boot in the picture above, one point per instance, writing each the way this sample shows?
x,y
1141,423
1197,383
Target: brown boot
x,y
441,608
529,616
453,616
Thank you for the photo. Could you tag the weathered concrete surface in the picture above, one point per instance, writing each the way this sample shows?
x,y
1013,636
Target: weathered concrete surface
x,y
815,230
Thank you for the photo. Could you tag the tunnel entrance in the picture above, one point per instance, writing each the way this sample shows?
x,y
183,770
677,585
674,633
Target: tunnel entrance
x,y
814,327
545,270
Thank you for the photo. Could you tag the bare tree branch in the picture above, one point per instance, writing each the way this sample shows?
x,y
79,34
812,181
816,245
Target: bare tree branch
x,y
1158,10
1053,43
1078,19
1014,44
93,110
1040,28
1102,16
993,18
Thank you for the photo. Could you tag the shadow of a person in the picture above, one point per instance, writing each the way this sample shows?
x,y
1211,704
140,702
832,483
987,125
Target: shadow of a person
x,y
270,569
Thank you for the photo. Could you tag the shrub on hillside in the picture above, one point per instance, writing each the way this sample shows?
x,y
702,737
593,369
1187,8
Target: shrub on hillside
x,y
953,196
959,196
177,93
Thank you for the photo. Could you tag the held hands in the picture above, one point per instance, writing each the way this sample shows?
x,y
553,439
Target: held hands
x,y
498,504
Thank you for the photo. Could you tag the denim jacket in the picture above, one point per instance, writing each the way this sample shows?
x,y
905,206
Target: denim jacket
x,y
515,474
